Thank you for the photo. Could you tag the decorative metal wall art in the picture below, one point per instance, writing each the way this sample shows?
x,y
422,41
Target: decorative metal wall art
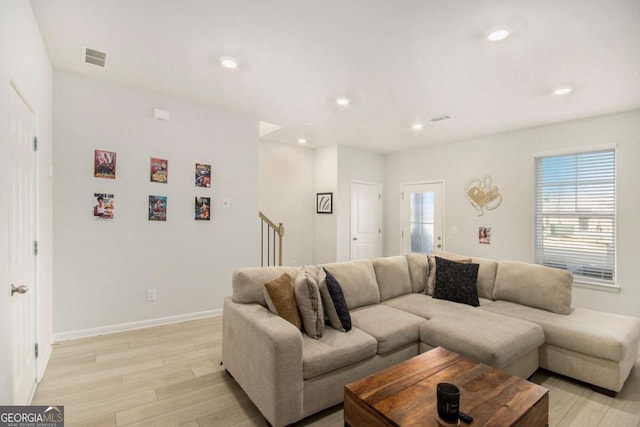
x,y
482,194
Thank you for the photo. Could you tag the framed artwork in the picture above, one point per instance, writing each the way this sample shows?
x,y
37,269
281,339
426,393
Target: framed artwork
x,y
157,208
159,170
203,175
203,209
103,206
484,235
324,203
104,164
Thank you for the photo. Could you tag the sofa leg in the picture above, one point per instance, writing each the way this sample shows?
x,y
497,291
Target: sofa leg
x,y
604,391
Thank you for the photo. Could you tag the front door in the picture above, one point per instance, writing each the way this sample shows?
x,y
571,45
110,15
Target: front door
x,y
422,217
366,220
22,264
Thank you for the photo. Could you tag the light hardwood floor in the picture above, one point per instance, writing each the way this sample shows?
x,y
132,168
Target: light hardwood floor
x,y
170,376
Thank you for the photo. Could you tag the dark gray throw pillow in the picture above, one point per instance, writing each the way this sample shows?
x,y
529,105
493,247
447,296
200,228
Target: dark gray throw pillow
x,y
335,305
456,282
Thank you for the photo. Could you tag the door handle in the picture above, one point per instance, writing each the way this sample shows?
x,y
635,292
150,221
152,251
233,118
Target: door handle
x,y
20,289
355,238
439,245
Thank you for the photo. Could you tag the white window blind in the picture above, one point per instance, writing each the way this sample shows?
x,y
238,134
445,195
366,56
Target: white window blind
x,y
575,214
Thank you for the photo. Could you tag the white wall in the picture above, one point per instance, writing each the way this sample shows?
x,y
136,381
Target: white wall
x,y
354,164
103,269
326,181
335,168
24,61
508,158
287,195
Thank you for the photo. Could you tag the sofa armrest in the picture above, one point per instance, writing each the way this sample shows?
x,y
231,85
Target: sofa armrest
x,y
263,352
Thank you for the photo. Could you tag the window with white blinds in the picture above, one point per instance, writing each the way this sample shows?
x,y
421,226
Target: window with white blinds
x,y
575,214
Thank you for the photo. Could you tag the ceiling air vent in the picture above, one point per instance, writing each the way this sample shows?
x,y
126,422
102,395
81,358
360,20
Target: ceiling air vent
x,y
441,118
95,57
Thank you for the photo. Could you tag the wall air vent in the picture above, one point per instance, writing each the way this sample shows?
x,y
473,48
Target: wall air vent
x,y
441,118
95,57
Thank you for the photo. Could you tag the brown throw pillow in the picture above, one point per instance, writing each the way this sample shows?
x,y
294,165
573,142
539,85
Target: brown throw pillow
x,y
281,299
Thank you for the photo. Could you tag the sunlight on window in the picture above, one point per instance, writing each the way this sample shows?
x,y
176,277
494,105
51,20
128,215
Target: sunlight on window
x,y
575,214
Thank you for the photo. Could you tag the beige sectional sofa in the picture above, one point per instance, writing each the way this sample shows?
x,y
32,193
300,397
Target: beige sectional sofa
x,y
524,321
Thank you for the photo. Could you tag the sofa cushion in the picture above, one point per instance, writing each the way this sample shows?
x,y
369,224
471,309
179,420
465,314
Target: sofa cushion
x,y
281,300
390,327
334,303
427,307
418,270
335,350
248,283
534,285
456,282
309,303
593,333
431,277
486,276
392,275
494,340
358,282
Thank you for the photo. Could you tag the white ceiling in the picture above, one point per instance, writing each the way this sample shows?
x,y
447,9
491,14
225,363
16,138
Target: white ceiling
x,y
398,61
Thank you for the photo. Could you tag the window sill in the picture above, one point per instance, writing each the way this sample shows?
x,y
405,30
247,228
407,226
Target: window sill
x,y
580,283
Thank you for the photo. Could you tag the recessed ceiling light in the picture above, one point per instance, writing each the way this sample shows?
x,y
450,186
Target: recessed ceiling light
x,y
302,141
417,126
342,101
229,62
563,90
498,33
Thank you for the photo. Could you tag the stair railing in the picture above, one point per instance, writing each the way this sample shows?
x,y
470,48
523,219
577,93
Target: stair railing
x,y
272,245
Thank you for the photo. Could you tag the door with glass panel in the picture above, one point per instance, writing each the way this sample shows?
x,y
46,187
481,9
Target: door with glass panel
x,y
422,217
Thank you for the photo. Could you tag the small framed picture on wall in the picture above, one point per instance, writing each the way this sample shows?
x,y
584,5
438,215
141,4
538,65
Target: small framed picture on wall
x,y
203,175
159,170
104,164
484,235
324,203
157,208
103,206
203,209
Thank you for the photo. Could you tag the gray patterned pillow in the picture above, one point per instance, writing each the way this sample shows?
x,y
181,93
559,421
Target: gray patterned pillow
x,y
457,282
309,304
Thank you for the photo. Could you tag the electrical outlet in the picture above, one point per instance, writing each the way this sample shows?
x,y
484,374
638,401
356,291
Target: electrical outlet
x,y
151,294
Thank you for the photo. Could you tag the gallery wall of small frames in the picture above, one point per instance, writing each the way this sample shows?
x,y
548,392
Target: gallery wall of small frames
x,y
104,204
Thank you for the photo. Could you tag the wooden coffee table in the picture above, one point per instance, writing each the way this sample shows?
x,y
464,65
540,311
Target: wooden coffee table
x,y
405,394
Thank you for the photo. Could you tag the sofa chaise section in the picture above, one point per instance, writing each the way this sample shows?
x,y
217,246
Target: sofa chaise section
x,y
504,342
592,346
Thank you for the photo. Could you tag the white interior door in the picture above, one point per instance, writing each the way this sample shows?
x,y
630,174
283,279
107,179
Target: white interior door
x,y
422,217
366,220
22,234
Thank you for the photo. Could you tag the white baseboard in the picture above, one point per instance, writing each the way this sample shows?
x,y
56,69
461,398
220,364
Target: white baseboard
x,y
111,329
42,367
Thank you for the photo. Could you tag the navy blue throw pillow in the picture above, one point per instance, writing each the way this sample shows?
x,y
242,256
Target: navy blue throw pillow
x,y
456,282
339,303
